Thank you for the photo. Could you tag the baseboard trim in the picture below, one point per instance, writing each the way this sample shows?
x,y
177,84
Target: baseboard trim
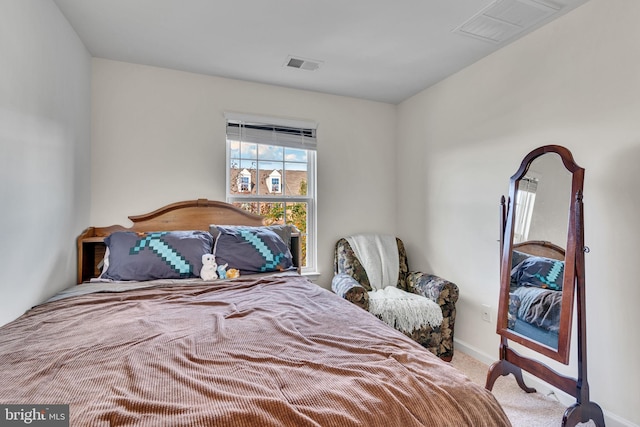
x,y
611,419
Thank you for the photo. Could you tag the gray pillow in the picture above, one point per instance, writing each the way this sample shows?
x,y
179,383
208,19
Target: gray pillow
x,y
540,272
517,257
156,255
251,249
282,230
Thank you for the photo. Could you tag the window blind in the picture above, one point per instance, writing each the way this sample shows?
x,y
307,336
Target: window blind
x,y
529,184
271,133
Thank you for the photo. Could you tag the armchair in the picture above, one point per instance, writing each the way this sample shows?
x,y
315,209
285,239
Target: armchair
x,y
352,283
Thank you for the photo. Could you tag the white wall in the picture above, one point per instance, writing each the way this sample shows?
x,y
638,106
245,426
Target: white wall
x,y
158,137
576,83
44,163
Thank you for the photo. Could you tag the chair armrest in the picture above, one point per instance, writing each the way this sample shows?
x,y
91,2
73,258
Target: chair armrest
x,y
348,288
437,289
445,294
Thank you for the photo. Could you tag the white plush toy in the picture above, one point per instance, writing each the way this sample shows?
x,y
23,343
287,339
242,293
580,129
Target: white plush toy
x,y
209,267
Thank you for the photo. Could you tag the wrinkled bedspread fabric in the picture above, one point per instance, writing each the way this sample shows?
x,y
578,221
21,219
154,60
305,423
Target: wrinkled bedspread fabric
x,y
272,351
540,307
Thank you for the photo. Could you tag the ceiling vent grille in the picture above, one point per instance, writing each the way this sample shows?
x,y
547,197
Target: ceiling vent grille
x,y
302,63
504,19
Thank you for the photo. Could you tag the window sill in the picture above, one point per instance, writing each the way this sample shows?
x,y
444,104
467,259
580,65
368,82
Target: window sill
x,y
311,275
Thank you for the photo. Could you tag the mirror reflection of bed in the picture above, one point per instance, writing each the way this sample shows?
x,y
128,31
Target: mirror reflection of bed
x,y
541,207
535,296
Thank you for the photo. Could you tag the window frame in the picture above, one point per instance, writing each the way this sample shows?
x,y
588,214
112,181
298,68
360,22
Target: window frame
x,y
310,199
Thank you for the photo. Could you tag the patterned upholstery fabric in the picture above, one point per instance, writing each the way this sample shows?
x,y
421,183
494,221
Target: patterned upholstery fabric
x,y
514,306
351,282
347,287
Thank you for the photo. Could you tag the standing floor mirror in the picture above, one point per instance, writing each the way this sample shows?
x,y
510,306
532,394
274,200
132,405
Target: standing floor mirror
x,y
542,275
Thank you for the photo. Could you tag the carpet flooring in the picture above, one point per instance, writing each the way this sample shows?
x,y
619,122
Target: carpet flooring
x,y
523,409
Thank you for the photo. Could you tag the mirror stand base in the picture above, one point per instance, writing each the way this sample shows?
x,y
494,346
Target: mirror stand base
x,y
513,363
583,412
504,368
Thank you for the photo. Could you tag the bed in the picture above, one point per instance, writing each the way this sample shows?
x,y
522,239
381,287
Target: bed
x,y
263,349
537,277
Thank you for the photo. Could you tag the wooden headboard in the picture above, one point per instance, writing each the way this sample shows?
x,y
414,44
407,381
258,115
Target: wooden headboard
x,y
188,215
540,248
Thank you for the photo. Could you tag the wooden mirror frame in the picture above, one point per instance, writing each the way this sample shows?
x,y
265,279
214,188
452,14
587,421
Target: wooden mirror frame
x,y
510,361
561,354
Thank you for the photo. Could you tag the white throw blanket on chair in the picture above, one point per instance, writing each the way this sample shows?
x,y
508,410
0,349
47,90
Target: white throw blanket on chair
x,y
403,310
378,254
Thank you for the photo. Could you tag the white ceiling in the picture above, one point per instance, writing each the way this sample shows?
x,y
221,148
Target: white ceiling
x,y
380,50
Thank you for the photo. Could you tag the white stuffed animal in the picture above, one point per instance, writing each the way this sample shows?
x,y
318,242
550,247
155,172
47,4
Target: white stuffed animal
x,y
209,267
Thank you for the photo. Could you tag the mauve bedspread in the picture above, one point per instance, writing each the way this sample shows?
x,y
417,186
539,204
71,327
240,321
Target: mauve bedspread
x,y
269,351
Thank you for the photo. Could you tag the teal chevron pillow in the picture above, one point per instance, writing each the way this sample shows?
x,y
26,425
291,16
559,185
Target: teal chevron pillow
x,y
539,272
282,230
156,255
251,250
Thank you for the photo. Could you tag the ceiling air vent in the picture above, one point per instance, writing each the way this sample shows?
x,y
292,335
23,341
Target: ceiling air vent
x,y
504,19
302,63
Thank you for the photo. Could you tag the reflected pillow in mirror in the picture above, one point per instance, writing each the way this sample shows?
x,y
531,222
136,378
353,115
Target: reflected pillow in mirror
x,y
539,272
517,257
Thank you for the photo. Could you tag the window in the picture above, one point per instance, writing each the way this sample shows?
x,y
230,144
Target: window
x,y
525,199
244,181
273,182
271,166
